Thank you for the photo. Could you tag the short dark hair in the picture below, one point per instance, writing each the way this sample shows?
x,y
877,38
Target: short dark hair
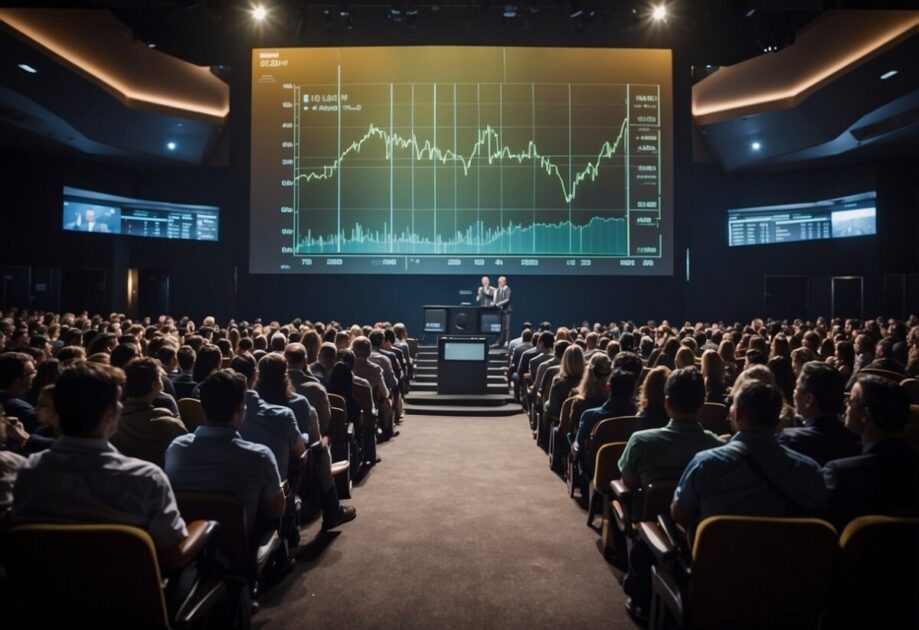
x,y
621,384
245,364
186,356
122,353
295,353
887,401
825,384
376,338
208,360
626,342
12,366
628,361
82,395
527,335
166,353
221,395
140,375
686,390
547,339
759,403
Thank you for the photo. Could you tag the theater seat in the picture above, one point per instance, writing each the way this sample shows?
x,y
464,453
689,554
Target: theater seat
x,y
713,417
877,574
628,508
338,402
340,437
893,376
911,385
558,443
192,413
606,468
743,572
247,558
96,576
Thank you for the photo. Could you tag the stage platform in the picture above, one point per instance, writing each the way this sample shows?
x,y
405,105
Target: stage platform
x,y
424,399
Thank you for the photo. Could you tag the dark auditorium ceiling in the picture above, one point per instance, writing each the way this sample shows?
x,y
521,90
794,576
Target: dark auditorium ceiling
x,y
186,50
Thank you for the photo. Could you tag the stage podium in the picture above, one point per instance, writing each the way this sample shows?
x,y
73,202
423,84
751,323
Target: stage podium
x,y
462,365
462,320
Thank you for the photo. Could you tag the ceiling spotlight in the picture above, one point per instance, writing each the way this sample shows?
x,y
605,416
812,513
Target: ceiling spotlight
x,y
510,11
171,146
659,13
756,145
27,68
259,13
884,77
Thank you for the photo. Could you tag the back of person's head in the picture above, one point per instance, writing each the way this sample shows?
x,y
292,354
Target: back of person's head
x,y
222,393
341,379
712,366
630,362
759,405
141,375
546,339
346,356
311,341
166,353
621,384
361,348
273,382
572,364
825,384
652,388
685,358
327,353
389,335
13,365
781,369
887,402
685,389
559,348
295,353
596,374
123,353
83,394
244,364
278,342
71,354
399,330
627,342
527,336
186,356
376,337
209,359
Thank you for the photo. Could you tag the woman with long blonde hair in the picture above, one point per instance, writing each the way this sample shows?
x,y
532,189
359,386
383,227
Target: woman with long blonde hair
x,y
569,376
651,400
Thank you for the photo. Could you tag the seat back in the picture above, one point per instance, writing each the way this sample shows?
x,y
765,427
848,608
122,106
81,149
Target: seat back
x,y
192,413
713,417
911,385
364,397
412,347
338,402
85,576
233,535
183,389
654,499
609,430
893,376
606,465
564,416
877,577
338,435
767,572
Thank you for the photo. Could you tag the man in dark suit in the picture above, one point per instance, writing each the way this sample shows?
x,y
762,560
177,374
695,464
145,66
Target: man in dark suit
x,y
819,400
884,479
90,224
503,301
183,380
17,370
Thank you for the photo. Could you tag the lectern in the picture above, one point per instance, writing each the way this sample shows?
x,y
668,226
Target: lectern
x,y
462,365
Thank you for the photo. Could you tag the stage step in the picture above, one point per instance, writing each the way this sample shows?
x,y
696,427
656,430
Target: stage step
x,y
464,411
432,378
432,399
493,388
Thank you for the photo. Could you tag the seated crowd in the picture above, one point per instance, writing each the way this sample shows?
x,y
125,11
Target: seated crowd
x,y
105,420
767,419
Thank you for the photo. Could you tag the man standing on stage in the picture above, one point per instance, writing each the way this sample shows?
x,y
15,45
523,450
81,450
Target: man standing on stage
x,y
485,296
503,301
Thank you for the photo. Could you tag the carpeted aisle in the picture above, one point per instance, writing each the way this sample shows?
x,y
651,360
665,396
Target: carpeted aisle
x,y
462,525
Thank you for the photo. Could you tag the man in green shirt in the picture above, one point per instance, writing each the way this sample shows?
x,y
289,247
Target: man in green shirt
x,y
659,454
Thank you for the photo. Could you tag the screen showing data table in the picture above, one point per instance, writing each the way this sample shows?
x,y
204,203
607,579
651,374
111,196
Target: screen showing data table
x,y
841,217
429,160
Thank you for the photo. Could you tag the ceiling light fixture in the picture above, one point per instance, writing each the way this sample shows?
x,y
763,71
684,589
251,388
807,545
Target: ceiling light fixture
x,y
259,13
755,145
26,67
884,77
171,146
659,13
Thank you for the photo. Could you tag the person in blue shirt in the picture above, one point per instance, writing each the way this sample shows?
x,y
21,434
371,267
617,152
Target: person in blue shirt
x,y
621,402
752,475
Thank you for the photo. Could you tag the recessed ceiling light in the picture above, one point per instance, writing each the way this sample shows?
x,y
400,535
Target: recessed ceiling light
x,y
659,13
151,45
28,68
756,145
259,13
886,75
171,146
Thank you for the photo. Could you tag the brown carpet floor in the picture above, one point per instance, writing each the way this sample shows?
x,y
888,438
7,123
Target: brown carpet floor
x,y
462,525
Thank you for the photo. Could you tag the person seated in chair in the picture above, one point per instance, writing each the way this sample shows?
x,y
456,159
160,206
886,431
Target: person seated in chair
x,y
752,475
17,370
884,478
82,478
818,398
306,383
145,430
621,402
364,368
273,426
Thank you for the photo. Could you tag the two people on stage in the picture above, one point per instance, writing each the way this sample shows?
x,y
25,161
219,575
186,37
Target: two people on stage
x,y
499,297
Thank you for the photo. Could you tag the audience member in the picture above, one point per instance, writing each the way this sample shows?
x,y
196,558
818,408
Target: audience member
x,y
570,373
651,407
713,373
16,373
621,402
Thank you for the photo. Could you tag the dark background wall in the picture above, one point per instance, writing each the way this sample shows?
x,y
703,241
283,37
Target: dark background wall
x,y
211,278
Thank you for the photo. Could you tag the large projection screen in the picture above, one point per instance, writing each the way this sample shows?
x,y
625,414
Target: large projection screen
x,y
462,160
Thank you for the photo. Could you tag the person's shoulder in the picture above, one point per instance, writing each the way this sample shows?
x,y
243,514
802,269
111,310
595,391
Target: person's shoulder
x,y
800,459
253,450
138,468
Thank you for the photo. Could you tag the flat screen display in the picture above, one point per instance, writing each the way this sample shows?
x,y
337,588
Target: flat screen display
x,y
435,320
489,322
461,160
458,351
101,213
840,217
